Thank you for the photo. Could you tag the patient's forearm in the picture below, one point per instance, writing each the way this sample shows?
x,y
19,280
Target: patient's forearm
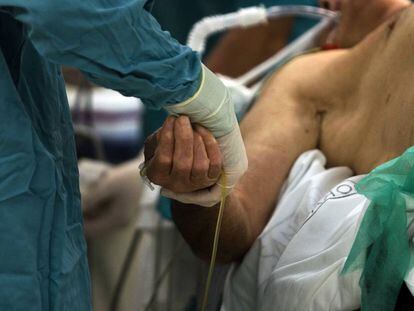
x,y
247,208
246,212
197,225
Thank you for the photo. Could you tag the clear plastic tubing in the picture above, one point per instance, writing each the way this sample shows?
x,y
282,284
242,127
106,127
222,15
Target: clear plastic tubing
x,y
249,17
305,42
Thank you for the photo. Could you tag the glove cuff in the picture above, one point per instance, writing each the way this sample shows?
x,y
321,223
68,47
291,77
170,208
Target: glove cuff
x,y
210,106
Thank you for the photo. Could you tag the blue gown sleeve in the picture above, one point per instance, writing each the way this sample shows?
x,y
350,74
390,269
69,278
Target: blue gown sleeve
x,y
117,43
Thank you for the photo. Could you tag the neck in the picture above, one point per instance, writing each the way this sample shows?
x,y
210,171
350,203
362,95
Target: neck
x,y
359,18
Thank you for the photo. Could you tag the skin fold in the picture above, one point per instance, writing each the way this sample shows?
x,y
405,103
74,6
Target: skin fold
x,y
356,105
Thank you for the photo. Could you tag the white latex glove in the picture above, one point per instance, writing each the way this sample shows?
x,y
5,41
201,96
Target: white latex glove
x,y
212,108
241,96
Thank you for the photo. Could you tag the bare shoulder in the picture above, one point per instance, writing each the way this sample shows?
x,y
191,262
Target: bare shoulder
x,y
307,79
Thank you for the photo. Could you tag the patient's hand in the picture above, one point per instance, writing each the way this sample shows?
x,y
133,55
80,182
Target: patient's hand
x,y
182,158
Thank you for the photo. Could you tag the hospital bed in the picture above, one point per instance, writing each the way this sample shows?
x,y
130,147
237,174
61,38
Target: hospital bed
x,y
173,277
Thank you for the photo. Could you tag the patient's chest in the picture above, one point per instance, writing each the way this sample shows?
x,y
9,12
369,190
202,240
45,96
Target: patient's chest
x,y
369,134
338,139
345,138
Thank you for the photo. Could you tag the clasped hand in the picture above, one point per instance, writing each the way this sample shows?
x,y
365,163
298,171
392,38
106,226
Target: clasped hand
x,y
182,157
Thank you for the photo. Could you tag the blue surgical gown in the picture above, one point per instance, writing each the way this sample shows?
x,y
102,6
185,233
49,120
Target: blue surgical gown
x,y
117,44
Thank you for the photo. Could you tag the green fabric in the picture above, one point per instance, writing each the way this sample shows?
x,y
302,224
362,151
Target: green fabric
x,y
381,247
43,262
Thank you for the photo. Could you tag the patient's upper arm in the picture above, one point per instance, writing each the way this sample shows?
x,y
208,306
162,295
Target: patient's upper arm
x,y
276,131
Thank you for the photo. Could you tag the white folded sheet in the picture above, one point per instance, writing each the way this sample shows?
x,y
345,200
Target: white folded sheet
x,y
295,263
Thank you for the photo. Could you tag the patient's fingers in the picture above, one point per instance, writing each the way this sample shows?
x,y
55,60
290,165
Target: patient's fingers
x,y
160,165
185,159
183,151
201,163
150,146
213,152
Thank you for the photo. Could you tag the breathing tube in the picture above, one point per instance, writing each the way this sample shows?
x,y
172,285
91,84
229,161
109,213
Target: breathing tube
x,y
248,17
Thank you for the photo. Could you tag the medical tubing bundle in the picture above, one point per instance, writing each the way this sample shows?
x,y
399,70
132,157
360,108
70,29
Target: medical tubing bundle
x,y
248,17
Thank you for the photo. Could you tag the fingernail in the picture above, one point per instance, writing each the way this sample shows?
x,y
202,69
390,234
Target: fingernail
x,y
171,120
184,120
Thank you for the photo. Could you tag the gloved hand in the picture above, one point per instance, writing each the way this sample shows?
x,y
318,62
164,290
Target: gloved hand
x,y
212,108
110,200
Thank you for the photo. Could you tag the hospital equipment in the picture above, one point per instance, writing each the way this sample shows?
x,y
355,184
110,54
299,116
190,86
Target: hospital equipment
x,y
259,15
248,17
